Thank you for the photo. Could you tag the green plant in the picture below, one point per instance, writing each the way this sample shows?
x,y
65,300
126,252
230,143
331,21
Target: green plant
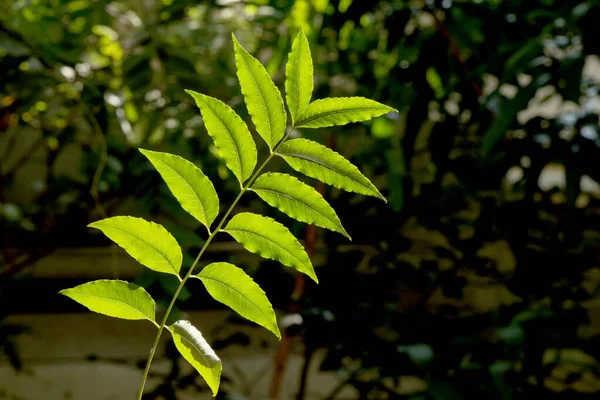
x,y
154,247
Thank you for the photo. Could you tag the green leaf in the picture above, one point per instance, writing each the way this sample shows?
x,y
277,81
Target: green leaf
x,y
149,243
299,81
231,286
196,350
194,191
324,164
270,239
114,298
298,200
262,97
231,135
340,111
507,115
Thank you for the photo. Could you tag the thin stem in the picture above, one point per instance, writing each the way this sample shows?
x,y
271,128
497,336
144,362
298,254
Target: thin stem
x,y
191,270
164,320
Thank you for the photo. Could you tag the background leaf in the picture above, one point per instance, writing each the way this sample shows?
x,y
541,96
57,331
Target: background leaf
x,y
114,298
340,111
149,243
324,164
270,239
507,115
194,348
262,97
299,81
194,191
298,200
231,135
231,286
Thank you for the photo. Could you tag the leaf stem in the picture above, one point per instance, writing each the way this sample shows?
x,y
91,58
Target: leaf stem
x,y
163,323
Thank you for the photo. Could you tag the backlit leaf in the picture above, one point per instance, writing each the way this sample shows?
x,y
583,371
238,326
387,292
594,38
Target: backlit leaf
x,y
196,350
319,162
340,111
194,191
231,286
299,76
262,97
270,239
149,243
114,298
231,135
298,200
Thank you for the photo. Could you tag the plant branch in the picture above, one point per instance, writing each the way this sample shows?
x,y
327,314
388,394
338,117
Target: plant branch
x,y
162,325
455,50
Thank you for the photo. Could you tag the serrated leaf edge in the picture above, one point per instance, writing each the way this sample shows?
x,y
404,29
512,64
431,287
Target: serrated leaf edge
x,y
275,328
208,223
373,189
300,123
63,292
299,200
176,272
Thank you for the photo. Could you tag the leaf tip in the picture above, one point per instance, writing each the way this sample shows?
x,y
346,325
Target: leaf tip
x,y
191,92
235,41
195,95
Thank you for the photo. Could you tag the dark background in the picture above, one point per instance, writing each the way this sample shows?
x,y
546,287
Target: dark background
x,y
481,275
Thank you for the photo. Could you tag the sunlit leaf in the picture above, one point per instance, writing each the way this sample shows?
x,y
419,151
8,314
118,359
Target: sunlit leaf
x,y
298,200
340,111
194,191
231,135
114,298
299,76
231,286
196,350
149,243
262,97
270,239
324,164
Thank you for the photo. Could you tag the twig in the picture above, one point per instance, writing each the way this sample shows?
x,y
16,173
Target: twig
x,y
94,190
308,356
455,50
211,236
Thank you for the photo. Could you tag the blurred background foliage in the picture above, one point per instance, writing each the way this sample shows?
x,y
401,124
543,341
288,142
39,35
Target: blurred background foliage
x,y
479,279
